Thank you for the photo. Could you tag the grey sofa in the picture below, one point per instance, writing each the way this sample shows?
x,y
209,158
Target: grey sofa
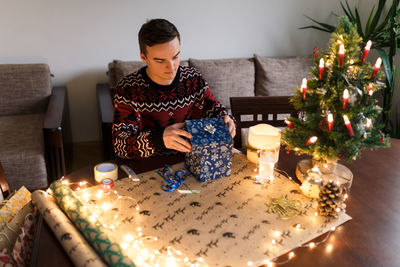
x,y
32,114
235,77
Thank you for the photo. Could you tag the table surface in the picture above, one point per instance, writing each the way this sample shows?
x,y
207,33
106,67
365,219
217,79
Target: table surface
x,y
371,238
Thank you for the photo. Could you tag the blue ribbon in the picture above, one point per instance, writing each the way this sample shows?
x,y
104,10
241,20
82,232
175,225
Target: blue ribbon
x,y
172,181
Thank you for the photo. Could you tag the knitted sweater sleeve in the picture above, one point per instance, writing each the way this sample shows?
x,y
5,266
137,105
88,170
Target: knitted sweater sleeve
x,y
212,107
130,140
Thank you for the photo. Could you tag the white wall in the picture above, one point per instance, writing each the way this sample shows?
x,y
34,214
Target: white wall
x,y
78,38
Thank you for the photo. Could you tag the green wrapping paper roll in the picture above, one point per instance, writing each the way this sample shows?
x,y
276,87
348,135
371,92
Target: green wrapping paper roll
x,y
111,252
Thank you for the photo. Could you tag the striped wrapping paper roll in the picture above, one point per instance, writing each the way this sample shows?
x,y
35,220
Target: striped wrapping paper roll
x,y
111,252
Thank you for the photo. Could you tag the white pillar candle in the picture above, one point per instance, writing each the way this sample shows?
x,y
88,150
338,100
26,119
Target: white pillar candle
x,y
263,137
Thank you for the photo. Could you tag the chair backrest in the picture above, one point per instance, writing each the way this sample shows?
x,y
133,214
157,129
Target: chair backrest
x,y
4,187
249,111
24,88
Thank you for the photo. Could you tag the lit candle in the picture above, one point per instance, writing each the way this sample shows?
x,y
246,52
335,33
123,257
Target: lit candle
x,y
341,55
345,98
366,50
348,125
263,137
330,121
312,140
303,89
376,68
289,123
321,68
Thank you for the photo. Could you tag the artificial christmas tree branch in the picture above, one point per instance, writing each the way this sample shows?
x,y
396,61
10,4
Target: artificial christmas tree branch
x,y
340,89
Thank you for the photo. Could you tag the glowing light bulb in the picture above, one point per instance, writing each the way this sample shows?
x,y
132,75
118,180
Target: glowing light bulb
x,y
311,245
124,245
99,194
128,237
291,254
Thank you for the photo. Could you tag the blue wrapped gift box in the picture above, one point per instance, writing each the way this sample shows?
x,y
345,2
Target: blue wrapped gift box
x,y
211,155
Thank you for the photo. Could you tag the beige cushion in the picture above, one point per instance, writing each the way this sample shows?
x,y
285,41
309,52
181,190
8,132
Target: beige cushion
x,y
118,69
22,151
279,76
24,88
227,77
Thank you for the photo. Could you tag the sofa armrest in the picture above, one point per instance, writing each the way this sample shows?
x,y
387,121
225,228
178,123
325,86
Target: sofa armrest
x,y
105,102
106,110
53,134
55,109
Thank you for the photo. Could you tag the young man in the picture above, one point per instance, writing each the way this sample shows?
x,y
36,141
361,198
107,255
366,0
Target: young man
x,y
151,105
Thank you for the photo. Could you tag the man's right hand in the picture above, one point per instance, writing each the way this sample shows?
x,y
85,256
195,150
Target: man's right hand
x,y
173,138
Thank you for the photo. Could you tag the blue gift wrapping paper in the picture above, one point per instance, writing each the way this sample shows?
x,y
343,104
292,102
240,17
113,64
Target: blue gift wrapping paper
x,y
211,155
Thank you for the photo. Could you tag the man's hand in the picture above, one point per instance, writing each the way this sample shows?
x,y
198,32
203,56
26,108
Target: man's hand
x,y
231,125
173,138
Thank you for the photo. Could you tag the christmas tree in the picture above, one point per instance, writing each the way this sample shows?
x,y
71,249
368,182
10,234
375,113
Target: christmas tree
x,y
338,115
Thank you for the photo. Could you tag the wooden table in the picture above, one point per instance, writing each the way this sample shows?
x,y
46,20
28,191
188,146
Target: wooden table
x,y
371,238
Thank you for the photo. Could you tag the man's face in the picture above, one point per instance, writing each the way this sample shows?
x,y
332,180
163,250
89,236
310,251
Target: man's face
x,y
162,61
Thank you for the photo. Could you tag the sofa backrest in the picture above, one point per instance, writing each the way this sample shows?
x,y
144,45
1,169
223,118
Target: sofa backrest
x,y
279,76
24,88
265,76
118,69
227,77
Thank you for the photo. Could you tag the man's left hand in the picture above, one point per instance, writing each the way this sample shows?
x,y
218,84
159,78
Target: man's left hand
x,y
231,125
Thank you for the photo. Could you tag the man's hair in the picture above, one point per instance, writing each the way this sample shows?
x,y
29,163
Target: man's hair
x,y
156,31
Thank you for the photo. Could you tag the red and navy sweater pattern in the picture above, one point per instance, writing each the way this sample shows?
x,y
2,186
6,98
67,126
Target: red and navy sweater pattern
x,y
143,109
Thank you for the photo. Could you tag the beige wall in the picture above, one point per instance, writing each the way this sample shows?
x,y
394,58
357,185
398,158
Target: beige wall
x,y
78,38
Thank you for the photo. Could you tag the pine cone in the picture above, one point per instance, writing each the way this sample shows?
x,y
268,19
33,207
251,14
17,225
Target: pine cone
x,y
331,200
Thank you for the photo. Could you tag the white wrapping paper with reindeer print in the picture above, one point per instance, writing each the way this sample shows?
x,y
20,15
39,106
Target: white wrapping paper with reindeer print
x,y
227,224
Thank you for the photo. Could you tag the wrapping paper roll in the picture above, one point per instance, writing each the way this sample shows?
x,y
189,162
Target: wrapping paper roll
x,y
13,205
111,252
105,170
75,245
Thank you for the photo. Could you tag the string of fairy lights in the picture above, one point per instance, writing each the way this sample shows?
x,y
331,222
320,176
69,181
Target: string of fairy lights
x,y
297,227
135,243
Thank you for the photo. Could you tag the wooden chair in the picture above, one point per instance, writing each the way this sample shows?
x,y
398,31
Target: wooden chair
x,y
4,187
260,109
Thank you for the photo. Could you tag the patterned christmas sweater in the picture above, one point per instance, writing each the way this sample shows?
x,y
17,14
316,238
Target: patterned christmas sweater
x,y
143,109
